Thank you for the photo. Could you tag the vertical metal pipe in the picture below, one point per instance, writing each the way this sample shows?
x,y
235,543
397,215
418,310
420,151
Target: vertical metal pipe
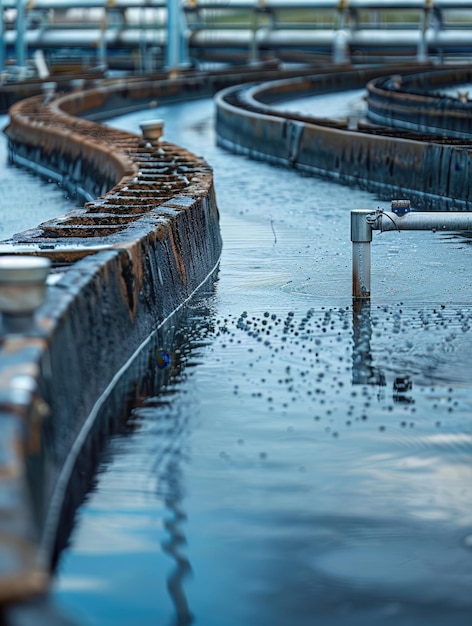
x,y
361,237
422,51
173,35
183,43
102,44
142,39
254,48
2,39
20,33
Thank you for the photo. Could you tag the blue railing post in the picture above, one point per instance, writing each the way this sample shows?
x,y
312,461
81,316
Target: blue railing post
x,y
20,33
176,38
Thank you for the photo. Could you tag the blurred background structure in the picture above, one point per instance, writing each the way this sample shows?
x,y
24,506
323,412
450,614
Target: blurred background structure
x,y
147,35
328,476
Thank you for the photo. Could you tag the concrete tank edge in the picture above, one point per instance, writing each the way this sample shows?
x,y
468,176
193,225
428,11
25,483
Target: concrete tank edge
x,y
94,320
423,168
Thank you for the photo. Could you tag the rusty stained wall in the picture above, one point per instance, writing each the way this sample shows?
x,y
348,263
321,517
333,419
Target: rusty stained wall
x,y
160,223
161,246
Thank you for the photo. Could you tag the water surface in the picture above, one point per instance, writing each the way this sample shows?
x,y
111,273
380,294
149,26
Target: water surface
x,y
25,200
303,462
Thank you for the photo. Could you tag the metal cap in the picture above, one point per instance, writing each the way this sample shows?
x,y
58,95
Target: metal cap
x,y
361,230
152,130
22,283
400,207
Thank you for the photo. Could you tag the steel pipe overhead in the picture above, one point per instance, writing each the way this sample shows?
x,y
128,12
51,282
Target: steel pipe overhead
x,y
62,5
2,38
67,37
347,36
403,5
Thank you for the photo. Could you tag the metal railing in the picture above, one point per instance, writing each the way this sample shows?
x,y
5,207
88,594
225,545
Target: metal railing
x,y
338,28
364,222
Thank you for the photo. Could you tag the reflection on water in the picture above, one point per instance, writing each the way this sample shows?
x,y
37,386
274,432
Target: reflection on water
x,y
363,372
173,479
323,498
301,461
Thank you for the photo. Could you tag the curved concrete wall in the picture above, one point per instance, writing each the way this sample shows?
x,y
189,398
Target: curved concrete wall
x,y
132,255
433,171
128,259
414,102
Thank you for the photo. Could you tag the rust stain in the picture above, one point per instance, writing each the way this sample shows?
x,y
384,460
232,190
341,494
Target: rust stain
x,y
128,282
178,257
131,217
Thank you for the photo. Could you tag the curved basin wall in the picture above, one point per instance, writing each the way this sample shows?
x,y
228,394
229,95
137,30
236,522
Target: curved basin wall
x,y
433,171
146,238
415,102
129,258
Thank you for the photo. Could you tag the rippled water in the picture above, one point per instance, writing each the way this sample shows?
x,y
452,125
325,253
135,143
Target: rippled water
x,y
331,105
25,201
302,462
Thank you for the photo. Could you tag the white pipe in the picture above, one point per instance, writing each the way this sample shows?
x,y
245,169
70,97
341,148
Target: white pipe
x,y
20,33
2,39
86,4
173,35
361,237
434,220
400,5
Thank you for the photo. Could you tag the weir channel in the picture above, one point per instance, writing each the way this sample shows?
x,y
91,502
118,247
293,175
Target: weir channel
x,y
299,461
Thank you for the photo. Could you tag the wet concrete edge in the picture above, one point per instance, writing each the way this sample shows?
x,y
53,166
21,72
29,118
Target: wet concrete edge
x,y
110,296
104,305
97,314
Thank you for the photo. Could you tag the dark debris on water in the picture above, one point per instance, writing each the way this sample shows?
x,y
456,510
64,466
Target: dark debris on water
x,y
383,368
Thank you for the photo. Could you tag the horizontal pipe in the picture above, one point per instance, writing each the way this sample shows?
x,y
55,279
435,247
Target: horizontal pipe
x,y
364,37
434,220
53,37
62,5
400,5
364,222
